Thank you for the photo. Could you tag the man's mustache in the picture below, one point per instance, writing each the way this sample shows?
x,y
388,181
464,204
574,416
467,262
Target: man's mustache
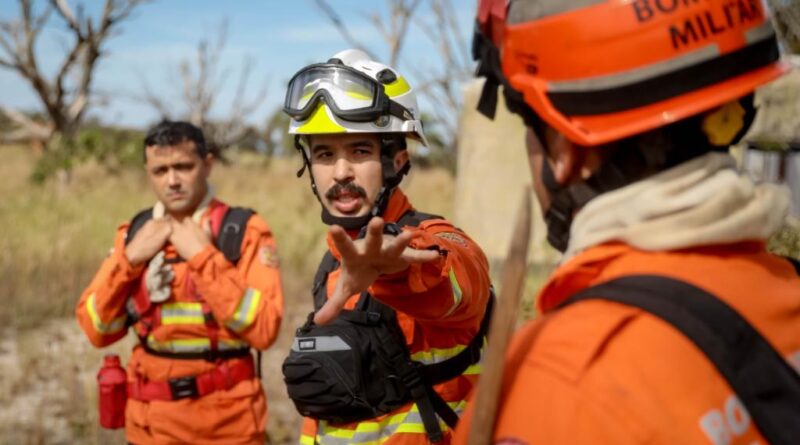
x,y
350,188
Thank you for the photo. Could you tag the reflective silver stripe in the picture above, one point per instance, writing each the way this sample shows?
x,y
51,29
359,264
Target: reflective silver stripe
x,y
112,327
636,75
193,345
319,344
245,312
373,432
519,12
181,345
760,33
330,440
225,345
182,313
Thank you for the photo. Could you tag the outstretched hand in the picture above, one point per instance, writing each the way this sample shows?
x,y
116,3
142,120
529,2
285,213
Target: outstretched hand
x,y
364,260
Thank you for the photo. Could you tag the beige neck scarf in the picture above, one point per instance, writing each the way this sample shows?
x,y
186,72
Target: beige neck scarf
x,y
703,201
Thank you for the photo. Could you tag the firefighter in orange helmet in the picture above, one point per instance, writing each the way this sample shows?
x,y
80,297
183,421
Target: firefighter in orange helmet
x,y
667,321
393,348
198,282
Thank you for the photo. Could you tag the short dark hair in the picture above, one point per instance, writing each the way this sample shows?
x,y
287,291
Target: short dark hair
x,y
167,133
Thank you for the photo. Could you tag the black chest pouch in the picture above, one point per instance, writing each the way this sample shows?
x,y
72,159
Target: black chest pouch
x,y
350,369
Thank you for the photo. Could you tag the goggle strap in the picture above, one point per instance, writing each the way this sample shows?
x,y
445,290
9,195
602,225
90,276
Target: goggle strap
x,y
306,161
399,111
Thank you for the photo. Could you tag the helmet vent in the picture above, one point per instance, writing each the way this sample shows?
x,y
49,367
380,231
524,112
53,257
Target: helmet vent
x,y
386,76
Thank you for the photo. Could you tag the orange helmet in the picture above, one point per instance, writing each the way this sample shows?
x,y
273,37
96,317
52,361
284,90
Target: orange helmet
x,y
603,70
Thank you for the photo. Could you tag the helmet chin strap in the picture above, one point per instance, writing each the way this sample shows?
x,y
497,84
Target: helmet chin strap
x,y
626,166
391,180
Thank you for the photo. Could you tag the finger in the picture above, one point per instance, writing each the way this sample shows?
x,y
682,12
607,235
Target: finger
x,y
394,246
374,238
419,256
331,309
343,242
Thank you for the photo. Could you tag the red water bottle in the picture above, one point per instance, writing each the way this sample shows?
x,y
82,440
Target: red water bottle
x,y
112,385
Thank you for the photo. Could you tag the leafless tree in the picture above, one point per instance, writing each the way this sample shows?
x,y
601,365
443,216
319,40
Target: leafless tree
x,y
66,96
201,81
440,84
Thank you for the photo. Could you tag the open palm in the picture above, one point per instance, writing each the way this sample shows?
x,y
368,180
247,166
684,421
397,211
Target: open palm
x,y
364,260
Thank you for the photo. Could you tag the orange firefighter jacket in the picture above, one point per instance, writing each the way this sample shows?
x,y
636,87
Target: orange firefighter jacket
x,y
439,307
247,302
600,372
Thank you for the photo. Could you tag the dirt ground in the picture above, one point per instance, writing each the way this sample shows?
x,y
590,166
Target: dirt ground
x,y
48,392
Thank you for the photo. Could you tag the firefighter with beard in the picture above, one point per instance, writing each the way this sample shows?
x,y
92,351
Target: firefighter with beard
x,y
401,297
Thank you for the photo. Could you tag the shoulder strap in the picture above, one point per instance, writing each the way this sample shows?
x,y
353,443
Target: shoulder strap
x,y
320,291
231,233
765,383
456,365
137,222
418,378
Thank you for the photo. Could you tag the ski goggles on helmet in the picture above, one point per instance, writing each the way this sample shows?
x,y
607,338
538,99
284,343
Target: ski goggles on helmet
x,y
349,93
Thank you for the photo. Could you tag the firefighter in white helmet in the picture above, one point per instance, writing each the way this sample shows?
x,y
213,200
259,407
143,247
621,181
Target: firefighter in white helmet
x,y
400,298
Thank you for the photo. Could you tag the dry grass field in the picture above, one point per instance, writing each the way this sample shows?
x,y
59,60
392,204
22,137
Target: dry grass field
x,y
53,238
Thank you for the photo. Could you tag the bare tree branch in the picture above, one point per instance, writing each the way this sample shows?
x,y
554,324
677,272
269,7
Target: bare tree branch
x,y
63,9
153,99
439,85
334,18
64,102
27,126
201,80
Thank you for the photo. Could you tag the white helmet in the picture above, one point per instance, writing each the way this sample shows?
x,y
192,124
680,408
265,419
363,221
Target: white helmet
x,y
352,94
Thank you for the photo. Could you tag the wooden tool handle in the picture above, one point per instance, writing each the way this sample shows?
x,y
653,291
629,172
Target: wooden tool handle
x,y
503,321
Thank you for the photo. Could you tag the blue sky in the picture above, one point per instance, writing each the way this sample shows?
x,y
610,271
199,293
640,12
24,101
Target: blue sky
x,y
280,36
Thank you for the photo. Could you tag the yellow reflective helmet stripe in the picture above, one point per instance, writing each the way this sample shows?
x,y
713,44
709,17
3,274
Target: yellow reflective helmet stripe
x,y
397,88
320,123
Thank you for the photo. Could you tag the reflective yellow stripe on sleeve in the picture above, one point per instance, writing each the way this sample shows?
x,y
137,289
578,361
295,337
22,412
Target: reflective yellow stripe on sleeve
x,y
246,311
457,294
116,325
